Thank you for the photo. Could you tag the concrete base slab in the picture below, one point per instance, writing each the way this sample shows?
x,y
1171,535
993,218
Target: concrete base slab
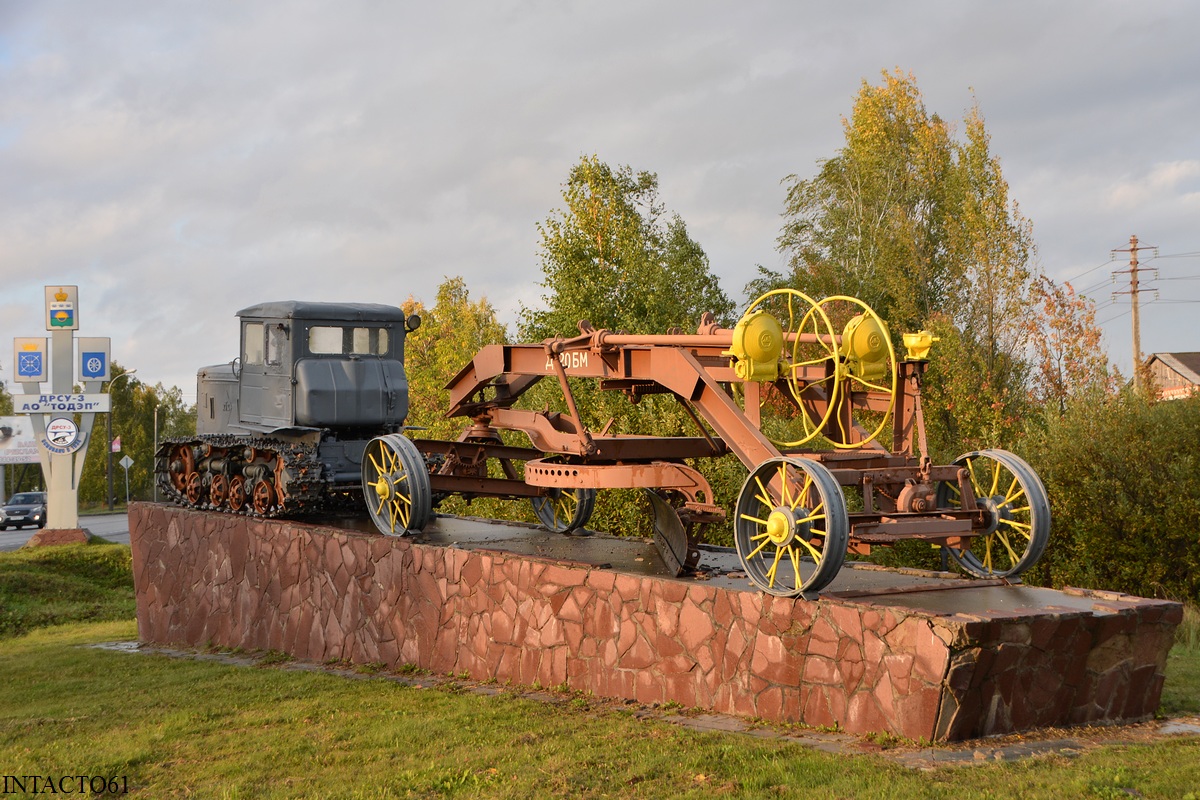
x,y
914,654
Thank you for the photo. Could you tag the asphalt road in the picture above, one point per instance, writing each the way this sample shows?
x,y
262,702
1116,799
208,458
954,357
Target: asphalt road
x,y
113,527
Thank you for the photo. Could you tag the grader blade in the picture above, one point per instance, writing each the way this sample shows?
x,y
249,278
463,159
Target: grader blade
x,y
670,537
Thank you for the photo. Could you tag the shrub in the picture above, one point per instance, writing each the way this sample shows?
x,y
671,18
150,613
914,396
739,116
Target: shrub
x,y
1123,476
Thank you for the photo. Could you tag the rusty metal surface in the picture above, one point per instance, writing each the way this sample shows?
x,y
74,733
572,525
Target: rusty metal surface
x,y
635,556
916,590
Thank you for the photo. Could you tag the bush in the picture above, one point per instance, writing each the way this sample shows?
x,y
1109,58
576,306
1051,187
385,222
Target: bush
x,y
1123,476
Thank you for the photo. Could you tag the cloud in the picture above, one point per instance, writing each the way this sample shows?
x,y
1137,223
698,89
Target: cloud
x,y
1170,181
179,162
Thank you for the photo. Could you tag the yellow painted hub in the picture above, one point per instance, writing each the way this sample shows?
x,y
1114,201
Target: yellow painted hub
x,y
779,527
383,488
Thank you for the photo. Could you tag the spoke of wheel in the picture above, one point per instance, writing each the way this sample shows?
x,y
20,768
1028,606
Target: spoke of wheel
x,y
564,508
869,385
828,348
775,566
814,515
1008,546
797,364
405,507
808,481
1022,526
814,552
391,515
765,497
795,554
754,519
375,464
766,541
1014,490
987,552
783,485
995,480
400,504
382,503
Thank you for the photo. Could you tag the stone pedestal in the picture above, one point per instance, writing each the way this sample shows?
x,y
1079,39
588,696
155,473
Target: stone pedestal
x,y
929,657
59,536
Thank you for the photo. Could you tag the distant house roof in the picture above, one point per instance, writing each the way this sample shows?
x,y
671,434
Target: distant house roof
x,y
1186,364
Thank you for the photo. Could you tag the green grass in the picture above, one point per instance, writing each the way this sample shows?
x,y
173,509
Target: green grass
x,y
183,728
192,728
43,586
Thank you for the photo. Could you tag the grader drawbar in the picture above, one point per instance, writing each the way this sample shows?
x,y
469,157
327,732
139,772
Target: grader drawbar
x,y
804,393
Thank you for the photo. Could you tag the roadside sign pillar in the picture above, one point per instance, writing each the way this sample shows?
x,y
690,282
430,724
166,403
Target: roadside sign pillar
x,y
62,503
62,418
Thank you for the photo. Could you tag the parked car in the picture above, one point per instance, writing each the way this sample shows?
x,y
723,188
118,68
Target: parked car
x,y
24,508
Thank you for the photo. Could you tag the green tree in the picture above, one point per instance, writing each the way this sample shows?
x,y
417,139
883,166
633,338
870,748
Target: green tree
x,y
451,332
920,225
614,256
872,222
134,408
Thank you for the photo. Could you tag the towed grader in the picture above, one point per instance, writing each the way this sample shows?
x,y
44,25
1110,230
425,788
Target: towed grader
x,y
804,401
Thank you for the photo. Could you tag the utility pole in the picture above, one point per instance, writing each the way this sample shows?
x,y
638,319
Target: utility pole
x,y
1134,289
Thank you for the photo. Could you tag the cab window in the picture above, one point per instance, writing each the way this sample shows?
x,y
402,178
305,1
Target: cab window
x,y
361,341
276,336
252,352
331,340
325,340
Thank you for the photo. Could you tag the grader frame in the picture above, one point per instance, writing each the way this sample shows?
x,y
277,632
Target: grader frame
x,y
792,526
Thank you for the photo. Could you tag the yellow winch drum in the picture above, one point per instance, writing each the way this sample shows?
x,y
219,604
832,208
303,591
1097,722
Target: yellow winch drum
x,y
757,347
865,347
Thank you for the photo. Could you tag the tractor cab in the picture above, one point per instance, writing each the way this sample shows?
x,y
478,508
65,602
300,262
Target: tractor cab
x,y
336,366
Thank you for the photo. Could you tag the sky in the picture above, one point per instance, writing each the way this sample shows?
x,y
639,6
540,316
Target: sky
x,y
180,161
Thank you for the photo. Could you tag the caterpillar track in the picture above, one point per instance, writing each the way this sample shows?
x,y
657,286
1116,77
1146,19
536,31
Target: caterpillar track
x,y
253,476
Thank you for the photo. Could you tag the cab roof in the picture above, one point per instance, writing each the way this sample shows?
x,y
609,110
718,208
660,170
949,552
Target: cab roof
x,y
301,309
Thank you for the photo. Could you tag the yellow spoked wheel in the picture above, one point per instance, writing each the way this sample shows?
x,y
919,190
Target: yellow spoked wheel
x,y
809,359
791,527
1016,514
395,485
866,364
565,509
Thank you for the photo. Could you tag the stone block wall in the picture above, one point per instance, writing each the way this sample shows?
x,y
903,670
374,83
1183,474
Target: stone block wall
x,y
322,593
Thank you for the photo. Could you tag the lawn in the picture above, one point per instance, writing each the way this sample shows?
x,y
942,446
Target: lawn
x,y
173,727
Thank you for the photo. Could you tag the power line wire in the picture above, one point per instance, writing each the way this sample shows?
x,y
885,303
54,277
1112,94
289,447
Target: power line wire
x,y
1094,287
1178,255
1090,271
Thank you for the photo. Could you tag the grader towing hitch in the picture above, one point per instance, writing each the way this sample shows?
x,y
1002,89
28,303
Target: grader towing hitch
x,y
809,395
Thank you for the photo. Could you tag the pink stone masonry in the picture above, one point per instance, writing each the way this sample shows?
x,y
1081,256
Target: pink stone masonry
x,y
321,593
